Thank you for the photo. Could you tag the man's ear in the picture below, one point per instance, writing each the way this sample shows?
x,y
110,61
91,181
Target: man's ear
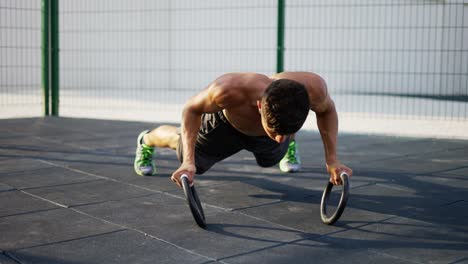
x,y
259,105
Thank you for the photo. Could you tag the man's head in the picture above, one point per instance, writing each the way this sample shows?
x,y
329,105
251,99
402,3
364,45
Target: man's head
x,y
284,107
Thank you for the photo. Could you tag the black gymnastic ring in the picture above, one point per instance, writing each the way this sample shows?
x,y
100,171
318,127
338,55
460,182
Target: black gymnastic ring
x,y
193,202
330,220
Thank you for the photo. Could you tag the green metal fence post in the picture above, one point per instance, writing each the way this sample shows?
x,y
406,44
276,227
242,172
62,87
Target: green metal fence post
x,y
45,56
54,45
280,37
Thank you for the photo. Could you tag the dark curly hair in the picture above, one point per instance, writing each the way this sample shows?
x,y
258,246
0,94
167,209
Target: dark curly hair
x,y
285,106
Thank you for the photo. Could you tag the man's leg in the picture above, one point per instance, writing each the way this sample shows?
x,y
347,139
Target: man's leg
x,y
268,153
162,137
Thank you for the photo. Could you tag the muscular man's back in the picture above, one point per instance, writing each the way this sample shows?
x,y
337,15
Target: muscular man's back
x,y
238,93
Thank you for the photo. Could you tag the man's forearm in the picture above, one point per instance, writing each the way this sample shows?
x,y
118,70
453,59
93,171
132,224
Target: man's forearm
x,y
191,122
327,123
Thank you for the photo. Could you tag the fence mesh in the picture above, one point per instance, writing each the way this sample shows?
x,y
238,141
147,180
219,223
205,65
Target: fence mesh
x,y
392,58
143,59
20,58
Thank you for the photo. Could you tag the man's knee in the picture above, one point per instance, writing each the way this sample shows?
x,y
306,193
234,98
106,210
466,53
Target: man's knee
x,y
201,170
266,163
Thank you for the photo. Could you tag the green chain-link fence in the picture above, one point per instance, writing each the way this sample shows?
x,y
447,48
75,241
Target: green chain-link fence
x,y
142,59
20,58
391,58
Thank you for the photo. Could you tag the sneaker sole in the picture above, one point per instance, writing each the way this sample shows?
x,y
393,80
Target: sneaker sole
x,y
294,169
135,165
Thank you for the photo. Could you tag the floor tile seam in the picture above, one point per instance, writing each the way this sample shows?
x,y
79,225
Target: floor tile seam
x,y
441,201
368,172
136,186
200,187
393,157
216,184
463,258
19,156
45,199
280,244
9,190
68,240
273,223
388,185
30,212
411,140
63,143
13,136
59,185
39,150
327,235
411,155
449,175
393,256
111,200
143,233
312,239
304,193
301,231
89,150
84,204
440,225
25,171
379,159
129,184
372,183
99,176
217,209
175,196
383,221
448,170
257,205
82,131
273,192
451,203
12,257
240,211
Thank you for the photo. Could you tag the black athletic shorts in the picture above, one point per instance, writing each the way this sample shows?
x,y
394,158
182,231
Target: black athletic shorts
x,y
218,139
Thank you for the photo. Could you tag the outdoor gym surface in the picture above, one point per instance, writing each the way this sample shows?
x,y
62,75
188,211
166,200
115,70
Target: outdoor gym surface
x,y
69,194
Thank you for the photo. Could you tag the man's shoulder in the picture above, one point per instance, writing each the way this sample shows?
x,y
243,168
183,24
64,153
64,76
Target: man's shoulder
x,y
240,79
312,81
234,89
300,76
246,83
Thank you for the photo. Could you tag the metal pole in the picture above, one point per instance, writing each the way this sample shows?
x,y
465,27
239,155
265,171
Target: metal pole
x,y
54,45
45,55
280,37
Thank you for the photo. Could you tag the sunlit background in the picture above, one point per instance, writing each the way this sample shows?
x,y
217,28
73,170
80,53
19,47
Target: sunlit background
x,y
396,67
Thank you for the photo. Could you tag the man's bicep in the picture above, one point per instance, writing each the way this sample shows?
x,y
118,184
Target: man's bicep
x,y
320,100
322,104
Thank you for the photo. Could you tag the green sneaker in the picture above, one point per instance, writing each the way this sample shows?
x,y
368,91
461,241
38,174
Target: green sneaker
x,y
291,161
144,163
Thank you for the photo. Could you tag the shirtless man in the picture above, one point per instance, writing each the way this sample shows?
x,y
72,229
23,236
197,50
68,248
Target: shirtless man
x,y
246,111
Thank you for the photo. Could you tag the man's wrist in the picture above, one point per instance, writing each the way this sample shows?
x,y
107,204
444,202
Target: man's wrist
x,y
188,162
331,161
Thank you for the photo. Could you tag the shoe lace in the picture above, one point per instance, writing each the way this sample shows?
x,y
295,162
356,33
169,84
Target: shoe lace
x,y
146,156
292,158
